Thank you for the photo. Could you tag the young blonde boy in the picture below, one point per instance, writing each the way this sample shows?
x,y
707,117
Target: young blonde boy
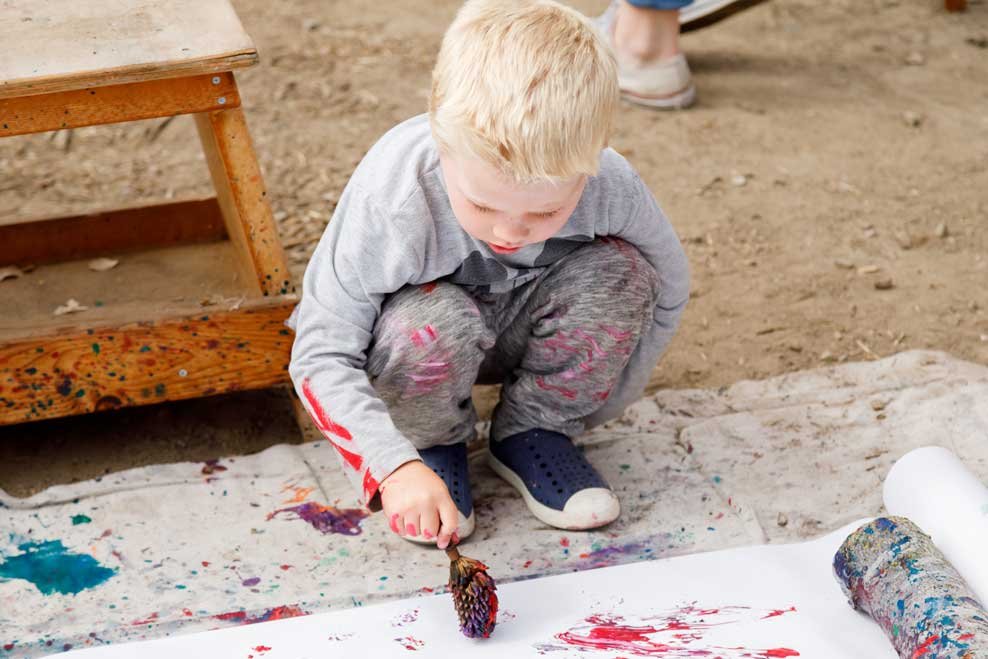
x,y
495,240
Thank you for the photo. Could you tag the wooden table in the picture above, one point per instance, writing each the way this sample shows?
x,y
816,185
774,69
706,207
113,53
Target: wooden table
x,y
71,63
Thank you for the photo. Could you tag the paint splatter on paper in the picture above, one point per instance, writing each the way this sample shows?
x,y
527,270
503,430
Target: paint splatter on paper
x,y
405,618
326,519
410,643
679,633
52,568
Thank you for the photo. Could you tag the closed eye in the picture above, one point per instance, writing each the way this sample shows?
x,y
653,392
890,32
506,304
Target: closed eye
x,y
482,209
546,214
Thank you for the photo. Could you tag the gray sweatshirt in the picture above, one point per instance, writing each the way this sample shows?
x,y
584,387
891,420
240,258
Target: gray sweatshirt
x,y
393,226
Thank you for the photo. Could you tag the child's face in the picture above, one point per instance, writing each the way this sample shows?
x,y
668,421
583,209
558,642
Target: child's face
x,y
504,214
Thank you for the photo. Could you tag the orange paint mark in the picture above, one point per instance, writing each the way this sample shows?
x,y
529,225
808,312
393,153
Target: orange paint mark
x,y
301,494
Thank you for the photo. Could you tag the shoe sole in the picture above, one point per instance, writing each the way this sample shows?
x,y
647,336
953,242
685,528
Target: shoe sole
x,y
725,9
550,516
678,101
467,526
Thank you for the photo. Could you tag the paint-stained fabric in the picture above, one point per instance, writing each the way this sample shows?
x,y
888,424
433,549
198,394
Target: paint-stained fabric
x,y
557,343
393,227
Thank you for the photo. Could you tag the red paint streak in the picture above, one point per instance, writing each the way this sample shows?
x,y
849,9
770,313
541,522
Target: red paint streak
x,y
325,423
615,333
262,648
527,564
411,643
925,647
205,563
8,646
147,621
370,486
678,634
277,613
424,336
564,542
429,288
287,567
187,613
965,637
328,427
779,612
569,394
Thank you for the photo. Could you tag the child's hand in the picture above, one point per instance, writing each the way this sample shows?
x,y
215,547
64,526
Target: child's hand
x,y
416,500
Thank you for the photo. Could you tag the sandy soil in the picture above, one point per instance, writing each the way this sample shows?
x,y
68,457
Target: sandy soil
x,y
829,188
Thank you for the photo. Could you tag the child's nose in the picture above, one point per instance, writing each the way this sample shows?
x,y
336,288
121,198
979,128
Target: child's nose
x,y
513,232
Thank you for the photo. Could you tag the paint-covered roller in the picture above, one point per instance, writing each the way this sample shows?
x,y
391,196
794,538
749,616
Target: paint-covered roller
x,y
892,571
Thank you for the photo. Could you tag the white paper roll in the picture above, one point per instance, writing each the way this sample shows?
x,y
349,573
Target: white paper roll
x,y
933,488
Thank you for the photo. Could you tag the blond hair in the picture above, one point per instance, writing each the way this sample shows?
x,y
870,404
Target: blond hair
x,y
525,85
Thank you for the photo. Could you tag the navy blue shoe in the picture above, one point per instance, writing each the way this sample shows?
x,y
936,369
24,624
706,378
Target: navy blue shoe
x,y
557,483
450,464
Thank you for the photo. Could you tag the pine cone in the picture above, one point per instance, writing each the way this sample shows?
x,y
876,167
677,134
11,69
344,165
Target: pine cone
x,y
474,595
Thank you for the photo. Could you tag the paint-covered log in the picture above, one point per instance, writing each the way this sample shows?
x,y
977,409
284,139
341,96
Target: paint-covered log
x,y
892,571
80,370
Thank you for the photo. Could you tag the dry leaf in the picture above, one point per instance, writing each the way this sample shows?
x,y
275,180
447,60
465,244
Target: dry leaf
x,y
10,272
102,265
70,307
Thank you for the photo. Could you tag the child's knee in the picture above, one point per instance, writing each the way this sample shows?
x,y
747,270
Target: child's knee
x,y
429,319
612,275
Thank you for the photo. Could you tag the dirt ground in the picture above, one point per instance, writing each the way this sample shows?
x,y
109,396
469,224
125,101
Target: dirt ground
x,y
829,187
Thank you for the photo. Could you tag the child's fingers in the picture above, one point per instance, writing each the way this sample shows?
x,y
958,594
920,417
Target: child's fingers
x,y
397,523
430,524
450,521
412,525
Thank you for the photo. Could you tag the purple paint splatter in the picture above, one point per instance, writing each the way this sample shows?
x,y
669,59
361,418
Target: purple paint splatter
x,y
326,519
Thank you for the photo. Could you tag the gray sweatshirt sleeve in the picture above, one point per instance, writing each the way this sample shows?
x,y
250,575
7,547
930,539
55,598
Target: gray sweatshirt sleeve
x,y
648,229
363,255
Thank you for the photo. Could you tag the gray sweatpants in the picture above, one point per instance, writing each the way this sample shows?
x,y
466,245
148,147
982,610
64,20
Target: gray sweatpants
x,y
557,344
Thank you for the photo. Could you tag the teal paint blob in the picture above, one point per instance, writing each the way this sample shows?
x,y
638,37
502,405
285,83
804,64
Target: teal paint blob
x,y
53,569
81,519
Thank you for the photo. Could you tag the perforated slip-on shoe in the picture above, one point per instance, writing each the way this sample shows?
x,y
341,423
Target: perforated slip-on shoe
x,y
557,483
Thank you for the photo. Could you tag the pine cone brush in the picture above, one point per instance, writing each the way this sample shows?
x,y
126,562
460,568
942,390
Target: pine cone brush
x,y
474,595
